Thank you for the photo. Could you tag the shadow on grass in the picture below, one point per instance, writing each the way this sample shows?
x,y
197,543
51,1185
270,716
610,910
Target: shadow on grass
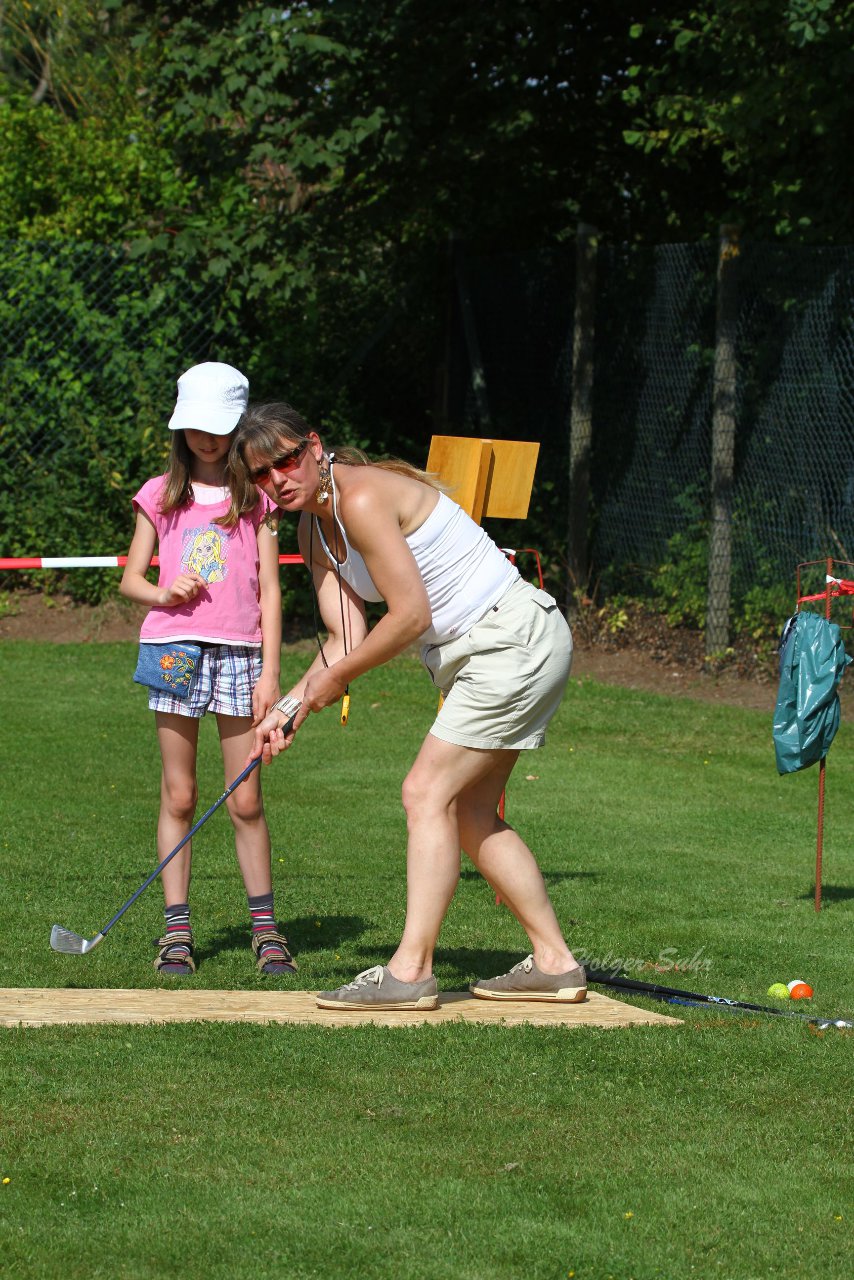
x,y
462,965
454,967
304,933
550,877
830,893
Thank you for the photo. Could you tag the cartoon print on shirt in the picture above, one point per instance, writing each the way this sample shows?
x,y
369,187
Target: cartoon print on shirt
x,y
205,552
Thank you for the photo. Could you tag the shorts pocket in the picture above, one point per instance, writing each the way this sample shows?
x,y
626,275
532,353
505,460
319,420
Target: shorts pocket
x,y
431,656
498,629
544,600
513,620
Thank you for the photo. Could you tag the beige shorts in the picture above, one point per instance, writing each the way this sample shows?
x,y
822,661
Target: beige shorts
x,y
503,680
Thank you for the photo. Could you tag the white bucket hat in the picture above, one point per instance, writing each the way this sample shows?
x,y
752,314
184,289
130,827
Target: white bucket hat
x,y
211,397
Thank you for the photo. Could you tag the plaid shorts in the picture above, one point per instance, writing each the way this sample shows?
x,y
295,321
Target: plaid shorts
x,y
226,676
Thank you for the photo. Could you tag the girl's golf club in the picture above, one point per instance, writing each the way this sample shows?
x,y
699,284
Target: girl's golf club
x,y
70,943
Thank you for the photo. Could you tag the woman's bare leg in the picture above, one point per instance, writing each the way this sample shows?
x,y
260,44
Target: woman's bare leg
x,y
506,862
450,790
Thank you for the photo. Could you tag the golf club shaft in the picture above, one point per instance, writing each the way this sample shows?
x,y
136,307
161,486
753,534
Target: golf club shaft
x,y
676,996
730,1007
253,764
180,845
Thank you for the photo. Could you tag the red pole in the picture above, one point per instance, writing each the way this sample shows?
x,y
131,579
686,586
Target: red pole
x,y
820,836
819,847
511,555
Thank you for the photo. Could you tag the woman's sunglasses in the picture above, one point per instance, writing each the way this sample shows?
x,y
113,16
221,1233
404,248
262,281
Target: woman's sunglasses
x,y
286,462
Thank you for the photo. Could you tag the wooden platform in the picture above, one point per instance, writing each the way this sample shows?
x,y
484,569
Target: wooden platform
x,y
42,1007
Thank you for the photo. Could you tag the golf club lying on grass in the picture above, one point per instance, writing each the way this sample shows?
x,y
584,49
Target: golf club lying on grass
x,y
72,944
672,995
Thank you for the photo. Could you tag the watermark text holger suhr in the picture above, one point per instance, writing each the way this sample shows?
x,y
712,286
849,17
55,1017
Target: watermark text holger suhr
x,y
668,961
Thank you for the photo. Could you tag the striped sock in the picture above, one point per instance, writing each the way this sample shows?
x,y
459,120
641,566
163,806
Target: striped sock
x,y
178,922
263,915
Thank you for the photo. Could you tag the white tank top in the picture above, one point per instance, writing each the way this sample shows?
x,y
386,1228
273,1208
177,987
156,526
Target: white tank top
x,y
463,571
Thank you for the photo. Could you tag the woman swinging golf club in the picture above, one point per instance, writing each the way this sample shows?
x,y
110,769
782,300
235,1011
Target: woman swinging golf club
x,y
497,648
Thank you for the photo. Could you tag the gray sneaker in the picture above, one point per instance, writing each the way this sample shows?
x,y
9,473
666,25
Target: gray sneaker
x,y
378,989
526,982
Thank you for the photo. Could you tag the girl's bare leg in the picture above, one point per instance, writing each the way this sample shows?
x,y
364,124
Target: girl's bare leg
x,y
178,739
245,805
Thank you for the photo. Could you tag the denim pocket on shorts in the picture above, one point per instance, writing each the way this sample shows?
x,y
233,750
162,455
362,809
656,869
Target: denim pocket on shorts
x,y
168,668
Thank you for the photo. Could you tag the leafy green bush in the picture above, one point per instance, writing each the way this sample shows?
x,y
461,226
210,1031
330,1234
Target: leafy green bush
x,y
679,585
92,350
96,174
763,610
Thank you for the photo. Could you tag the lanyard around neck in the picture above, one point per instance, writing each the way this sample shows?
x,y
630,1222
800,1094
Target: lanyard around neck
x,y
345,701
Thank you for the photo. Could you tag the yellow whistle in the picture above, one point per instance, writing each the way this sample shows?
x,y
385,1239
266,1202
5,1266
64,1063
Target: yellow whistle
x,y
345,708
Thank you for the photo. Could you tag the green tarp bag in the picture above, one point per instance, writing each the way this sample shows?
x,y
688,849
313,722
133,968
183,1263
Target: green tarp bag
x,y
806,717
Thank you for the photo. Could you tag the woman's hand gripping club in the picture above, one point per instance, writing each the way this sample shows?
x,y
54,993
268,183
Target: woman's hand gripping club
x,y
277,730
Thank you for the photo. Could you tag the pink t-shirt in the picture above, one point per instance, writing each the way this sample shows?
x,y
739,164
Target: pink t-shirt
x,y
228,611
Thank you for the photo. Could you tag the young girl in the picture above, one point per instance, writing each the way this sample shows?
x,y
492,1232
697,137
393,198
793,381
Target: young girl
x,y
498,649
219,588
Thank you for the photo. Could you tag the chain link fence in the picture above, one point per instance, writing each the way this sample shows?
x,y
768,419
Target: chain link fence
x,y
78,322
90,348
656,329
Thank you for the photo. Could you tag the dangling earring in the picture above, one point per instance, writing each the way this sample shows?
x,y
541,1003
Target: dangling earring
x,y
324,489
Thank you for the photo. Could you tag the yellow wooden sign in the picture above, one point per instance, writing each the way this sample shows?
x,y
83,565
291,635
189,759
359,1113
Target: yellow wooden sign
x,y
486,477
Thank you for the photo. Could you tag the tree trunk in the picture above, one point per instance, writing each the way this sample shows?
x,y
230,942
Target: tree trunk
x,y
581,419
723,444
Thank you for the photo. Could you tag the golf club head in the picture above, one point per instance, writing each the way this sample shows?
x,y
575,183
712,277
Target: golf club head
x,y
71,943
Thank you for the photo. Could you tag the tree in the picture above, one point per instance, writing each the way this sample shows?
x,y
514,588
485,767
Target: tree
x,y
332,149
744,108
337,129
82,158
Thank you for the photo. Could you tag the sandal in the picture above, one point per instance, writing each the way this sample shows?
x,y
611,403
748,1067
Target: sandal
x,y
175,957
272,954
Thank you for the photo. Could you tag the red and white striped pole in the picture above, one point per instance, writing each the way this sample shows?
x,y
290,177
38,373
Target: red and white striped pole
x,y
90,562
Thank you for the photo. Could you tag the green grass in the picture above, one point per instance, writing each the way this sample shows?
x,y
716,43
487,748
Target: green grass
x,y
718,1148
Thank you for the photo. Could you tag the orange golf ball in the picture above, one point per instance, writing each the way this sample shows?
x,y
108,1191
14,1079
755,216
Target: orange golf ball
x,y
800,991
